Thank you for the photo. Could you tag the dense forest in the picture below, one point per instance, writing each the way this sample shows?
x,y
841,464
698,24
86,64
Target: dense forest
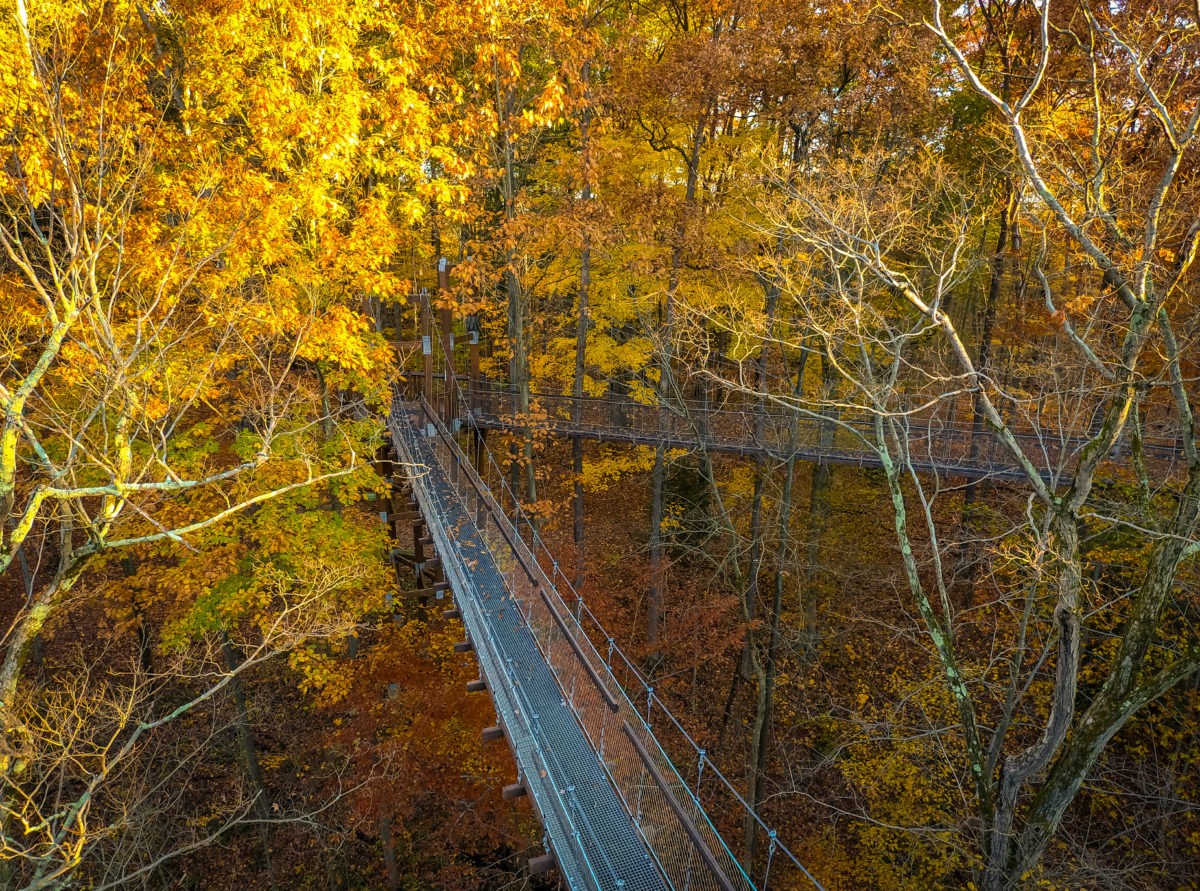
x,y
944,633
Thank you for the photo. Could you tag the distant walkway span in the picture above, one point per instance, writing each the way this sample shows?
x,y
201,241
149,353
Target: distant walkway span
x,y
933,446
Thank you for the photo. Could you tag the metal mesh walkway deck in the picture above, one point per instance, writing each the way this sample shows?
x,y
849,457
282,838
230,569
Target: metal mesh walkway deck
x,y
593,835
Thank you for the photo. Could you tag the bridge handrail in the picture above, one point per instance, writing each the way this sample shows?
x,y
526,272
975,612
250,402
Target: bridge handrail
x,y
495,656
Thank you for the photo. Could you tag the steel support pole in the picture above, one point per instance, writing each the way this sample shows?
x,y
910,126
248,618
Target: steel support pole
x,y
446,320
427,344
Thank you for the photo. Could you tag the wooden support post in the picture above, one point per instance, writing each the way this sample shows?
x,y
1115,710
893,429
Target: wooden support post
x,y
464,646
477,686
452,613
383,463
474,383
473,376
541,864
419,552
395,511
400,503
493,733
414,300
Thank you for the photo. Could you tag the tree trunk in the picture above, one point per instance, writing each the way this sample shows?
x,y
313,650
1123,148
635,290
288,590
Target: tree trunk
x,y
766,694
28,628
750,604
581,331
389,853
518,364
766,673
666,385
968,552
750,598
246,745
1013,854
654,612
818,516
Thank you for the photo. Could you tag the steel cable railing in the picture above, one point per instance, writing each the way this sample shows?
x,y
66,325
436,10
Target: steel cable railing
x,y
670,807
644,778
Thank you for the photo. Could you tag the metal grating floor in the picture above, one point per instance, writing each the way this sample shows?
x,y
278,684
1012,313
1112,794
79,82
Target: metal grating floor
x,y
600,837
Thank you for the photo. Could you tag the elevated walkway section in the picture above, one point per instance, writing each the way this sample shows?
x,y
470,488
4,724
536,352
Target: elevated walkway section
x,y
616,813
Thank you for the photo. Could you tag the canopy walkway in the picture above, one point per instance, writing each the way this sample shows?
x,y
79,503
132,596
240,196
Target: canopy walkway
x,y
627,799
934,438
934,444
